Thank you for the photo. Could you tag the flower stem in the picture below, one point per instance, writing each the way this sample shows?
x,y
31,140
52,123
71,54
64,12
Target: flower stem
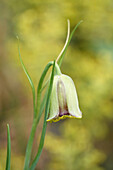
x,y
67,38
29,145
57,69
36,118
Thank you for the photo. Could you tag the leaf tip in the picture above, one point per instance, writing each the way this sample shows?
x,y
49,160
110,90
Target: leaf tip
x,y
7,124
81,21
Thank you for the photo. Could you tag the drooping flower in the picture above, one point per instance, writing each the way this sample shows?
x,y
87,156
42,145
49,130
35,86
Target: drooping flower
x,y
64,100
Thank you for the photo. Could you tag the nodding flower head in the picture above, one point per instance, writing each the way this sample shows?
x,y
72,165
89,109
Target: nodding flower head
x,y
63,100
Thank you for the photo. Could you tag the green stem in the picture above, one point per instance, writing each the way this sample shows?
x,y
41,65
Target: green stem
x,y
36,118
29,145
41,144
32,134
39,89
57,69
38,113
42,106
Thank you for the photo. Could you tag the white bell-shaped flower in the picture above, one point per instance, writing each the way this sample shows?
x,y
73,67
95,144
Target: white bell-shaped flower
x,y
63,100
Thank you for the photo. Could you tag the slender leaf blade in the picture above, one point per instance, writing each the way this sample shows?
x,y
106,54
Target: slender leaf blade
x,y
39,88
8,149
28,76
36,118
45,123
42,106
71,35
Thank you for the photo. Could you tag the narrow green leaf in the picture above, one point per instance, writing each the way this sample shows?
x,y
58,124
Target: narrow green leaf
x,y
67,38
39,89
45,123
63,53
8,149
42,106
36,119
28,76
47,81
57,71
29,145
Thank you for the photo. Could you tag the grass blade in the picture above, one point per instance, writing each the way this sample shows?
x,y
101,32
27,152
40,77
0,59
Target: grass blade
x,y
36,118
45,123
67,38
42,106
59,60
28,76
8,149
39,89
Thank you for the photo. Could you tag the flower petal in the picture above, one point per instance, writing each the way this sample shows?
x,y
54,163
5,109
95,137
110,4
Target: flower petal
x,y
54,106
71,96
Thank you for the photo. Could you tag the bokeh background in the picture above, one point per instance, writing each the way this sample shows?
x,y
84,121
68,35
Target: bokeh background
x,y
42,26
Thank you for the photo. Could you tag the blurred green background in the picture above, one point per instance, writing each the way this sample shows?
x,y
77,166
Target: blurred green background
x,y
42,26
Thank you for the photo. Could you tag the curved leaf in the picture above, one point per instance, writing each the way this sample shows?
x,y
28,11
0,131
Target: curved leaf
x,y
39,110
59,60
28,76
41,144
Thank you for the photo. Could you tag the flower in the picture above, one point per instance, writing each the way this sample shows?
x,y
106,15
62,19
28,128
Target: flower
x,y
63,100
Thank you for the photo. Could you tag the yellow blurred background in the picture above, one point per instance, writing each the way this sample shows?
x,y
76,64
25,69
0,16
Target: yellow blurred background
x,y
42,26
